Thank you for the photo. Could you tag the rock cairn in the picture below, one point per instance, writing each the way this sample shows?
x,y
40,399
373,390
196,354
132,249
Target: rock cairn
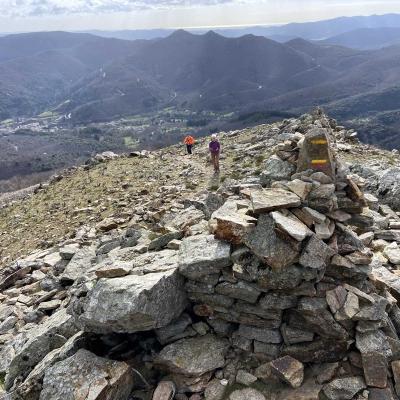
x,y
282,286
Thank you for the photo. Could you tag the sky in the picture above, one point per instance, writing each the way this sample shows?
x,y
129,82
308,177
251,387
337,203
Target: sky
x,y
38,15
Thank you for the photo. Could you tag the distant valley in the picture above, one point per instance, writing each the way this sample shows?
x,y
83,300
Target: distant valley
x,y
72,94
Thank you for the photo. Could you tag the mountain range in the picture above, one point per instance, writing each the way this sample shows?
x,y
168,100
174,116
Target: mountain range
x,y
94,78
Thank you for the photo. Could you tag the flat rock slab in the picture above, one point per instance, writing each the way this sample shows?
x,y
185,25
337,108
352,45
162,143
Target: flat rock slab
x,y
203,255
267,200
134,303
291,225
194,356
85,376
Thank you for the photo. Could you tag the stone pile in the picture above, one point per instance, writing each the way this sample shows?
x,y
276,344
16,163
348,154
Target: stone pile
x,y
282,286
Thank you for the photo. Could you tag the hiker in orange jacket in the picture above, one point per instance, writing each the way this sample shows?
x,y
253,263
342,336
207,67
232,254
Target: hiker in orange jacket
x,y
189,141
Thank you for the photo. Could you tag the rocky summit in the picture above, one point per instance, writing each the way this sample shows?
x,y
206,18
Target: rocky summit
x,y
278,282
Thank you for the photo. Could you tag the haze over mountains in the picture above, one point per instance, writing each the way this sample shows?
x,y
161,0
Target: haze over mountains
x,y
93,78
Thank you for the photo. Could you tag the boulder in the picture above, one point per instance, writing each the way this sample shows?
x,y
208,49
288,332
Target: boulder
x,y
87,377
194,356
203,255
134,303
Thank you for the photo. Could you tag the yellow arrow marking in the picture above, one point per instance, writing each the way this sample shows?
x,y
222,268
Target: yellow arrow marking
x,y
319,141
319,161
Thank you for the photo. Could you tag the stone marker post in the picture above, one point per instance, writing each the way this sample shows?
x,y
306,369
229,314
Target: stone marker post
x,y
316,153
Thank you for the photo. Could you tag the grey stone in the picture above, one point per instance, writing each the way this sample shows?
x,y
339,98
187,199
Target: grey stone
x,y
215,390
194,356
203,255
285,279
91,376
276,170
245,378
274,251
232,222
173,330
336,298
80,263
241,290
312,314
392,253
246,394
30,348
68,251
114,269
258,309
267,200
8,324
373,342
260,334
288,223
315,215
299,187
30,388
375,368
293,335
289,370
163,240
276,301
266,351
165,390
315,256
134,303
344,388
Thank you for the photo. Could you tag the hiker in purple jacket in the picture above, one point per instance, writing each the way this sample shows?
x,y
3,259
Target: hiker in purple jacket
x,y
214,148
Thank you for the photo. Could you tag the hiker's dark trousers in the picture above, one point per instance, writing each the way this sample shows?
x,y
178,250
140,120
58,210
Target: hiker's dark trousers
x,y
189,148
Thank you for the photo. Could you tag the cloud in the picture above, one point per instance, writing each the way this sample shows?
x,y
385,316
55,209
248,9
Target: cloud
x,y
29,8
